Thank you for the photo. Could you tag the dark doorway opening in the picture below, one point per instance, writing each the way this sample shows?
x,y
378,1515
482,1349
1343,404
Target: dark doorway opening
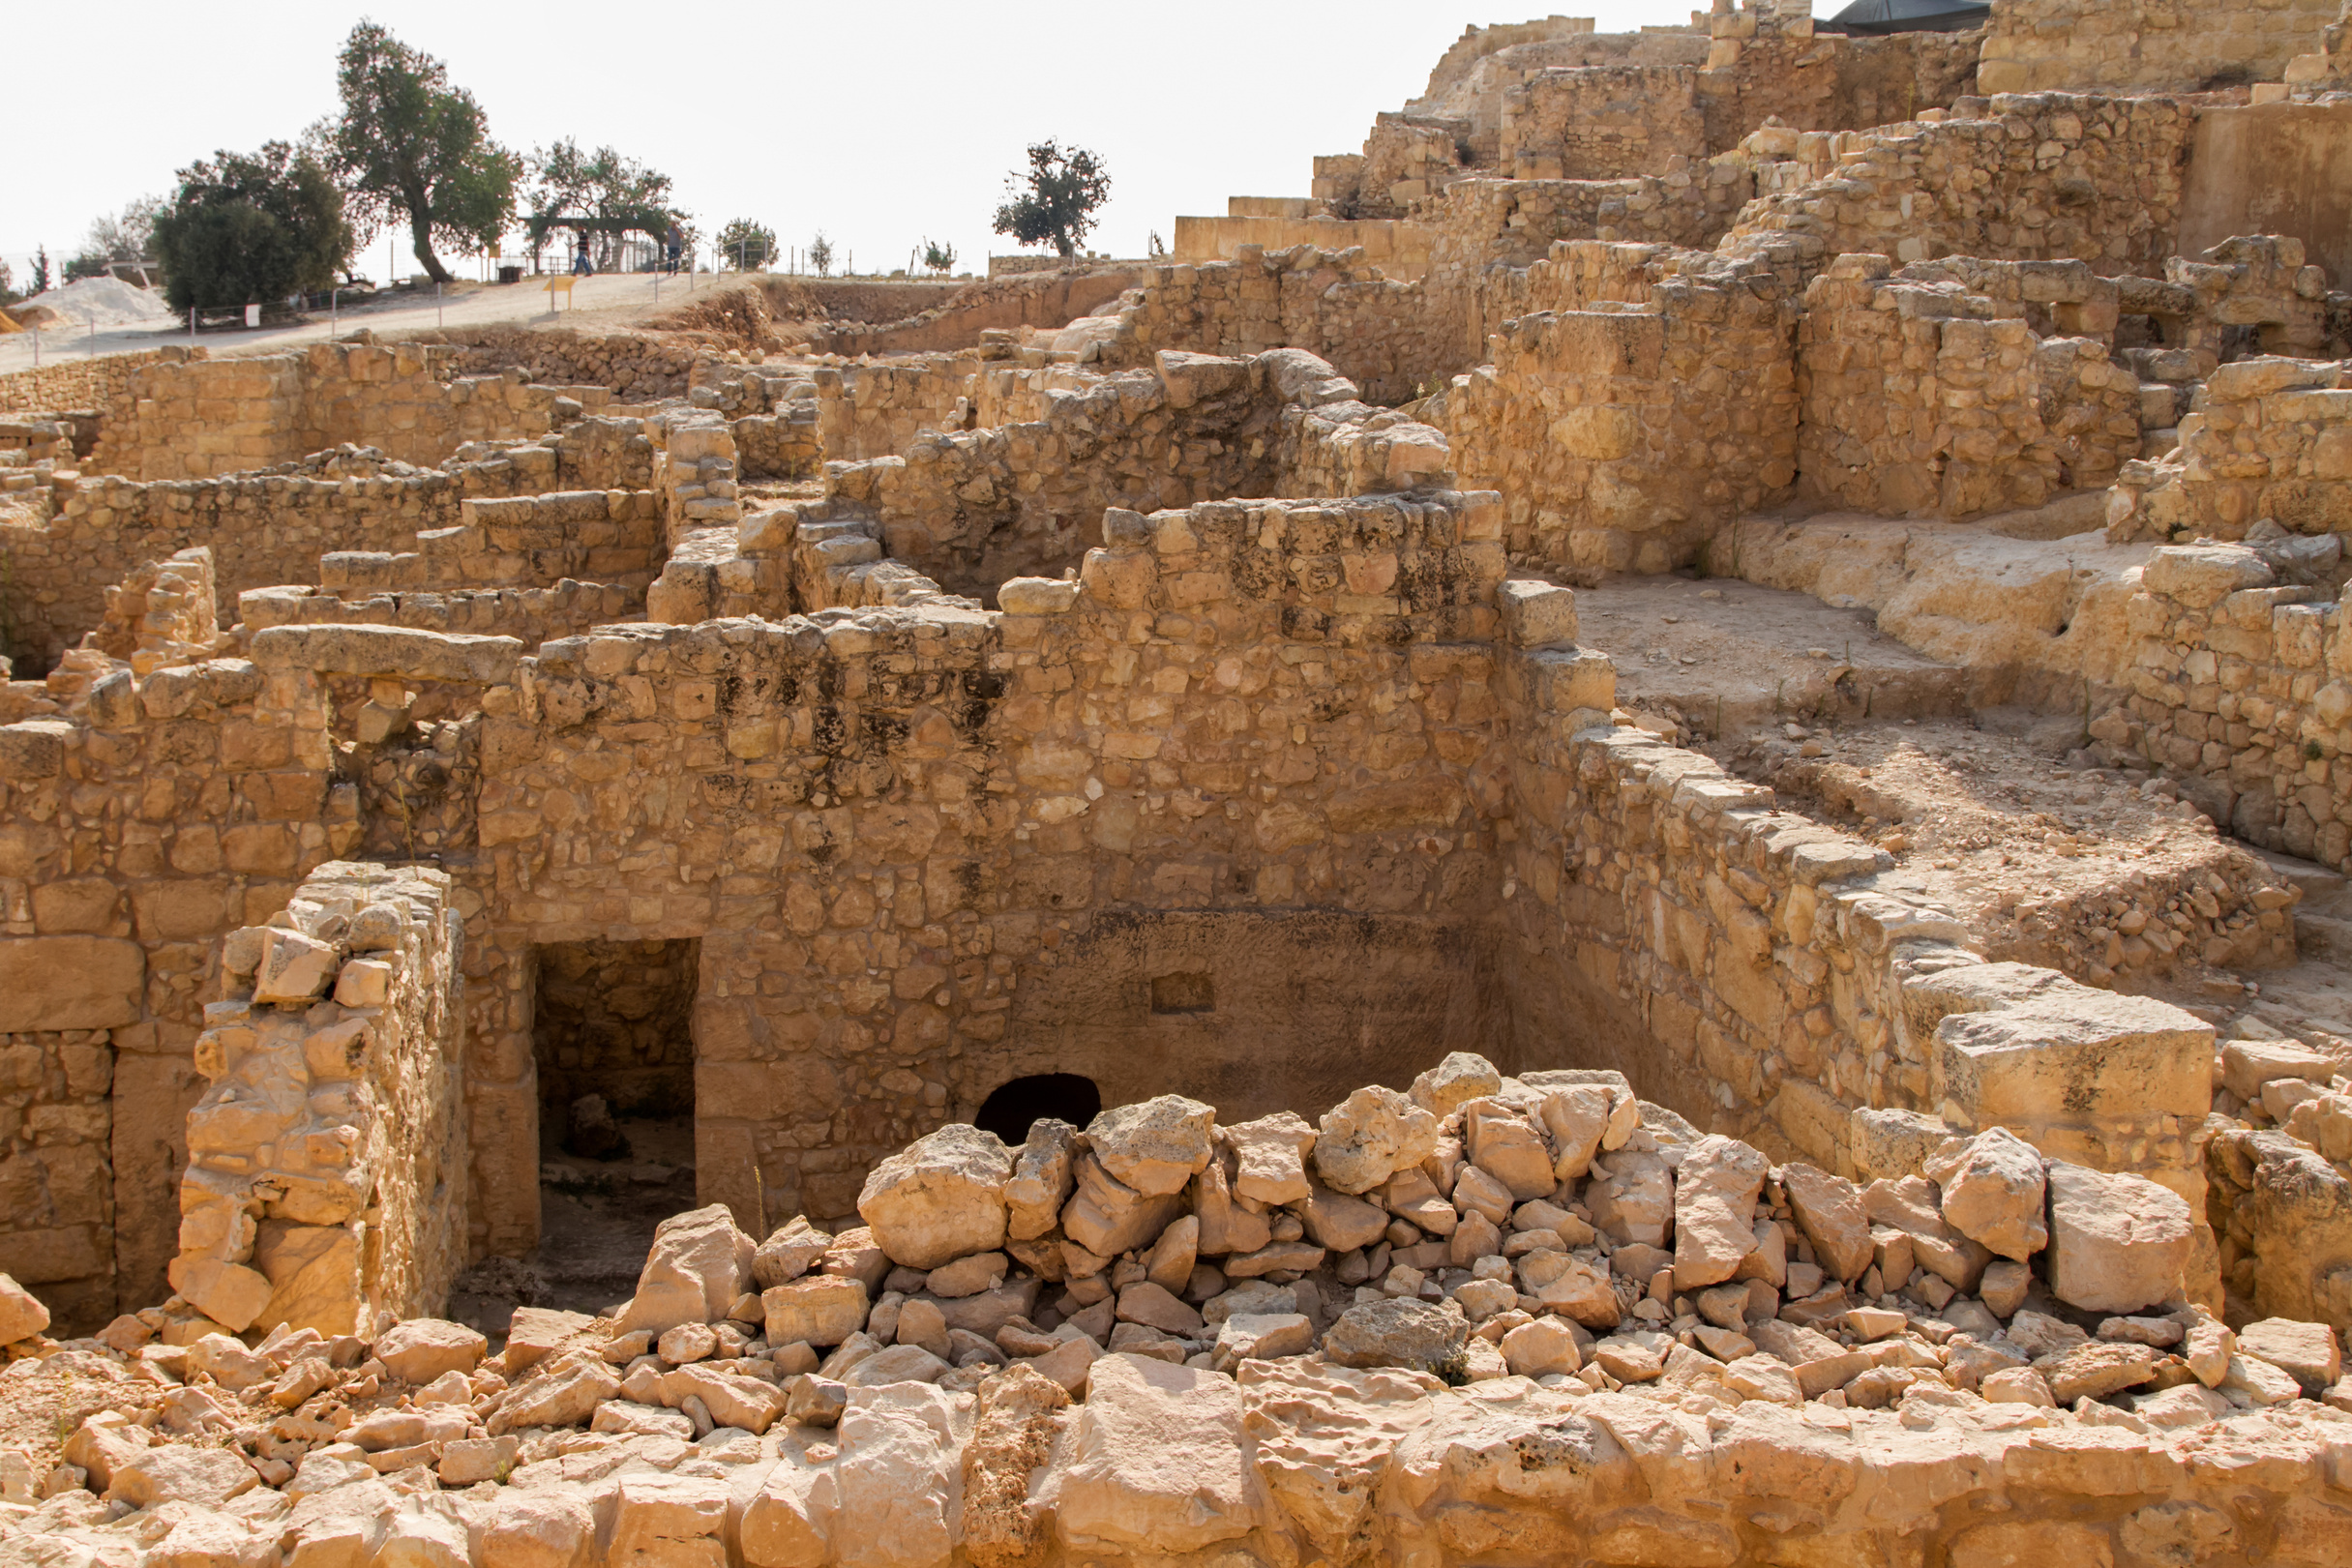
x,y
1063,1096
613,1036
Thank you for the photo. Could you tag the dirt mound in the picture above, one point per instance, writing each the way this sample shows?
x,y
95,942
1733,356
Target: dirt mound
x,y
109,302
731,317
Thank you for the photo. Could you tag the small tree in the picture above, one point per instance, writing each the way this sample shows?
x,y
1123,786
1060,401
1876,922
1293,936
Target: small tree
x,y
41,270
619,191
747,244
114,239
820,254
8,285
410,146
939,257
1158,246
1053,203
245,228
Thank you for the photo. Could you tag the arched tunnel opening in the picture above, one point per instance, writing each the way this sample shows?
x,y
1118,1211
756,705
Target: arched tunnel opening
x,y
1010,1110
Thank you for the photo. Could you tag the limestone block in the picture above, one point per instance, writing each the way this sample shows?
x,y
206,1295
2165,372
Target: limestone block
x,y
2118,1243
1155,1147
749,1402
2071,1054
669,1522
1577,1118
2246,1065
1506,1148
968,1275
699,1264
1993,1192
1261,1337
940,1198
423,1349
1828,1210
1269,1158
2305,1351
1340,1223
1536,614
70,983
1399,1331
175,1472
1107,1217
1462,1077
1544,1346
537,1527
562,1392
1714,1201
1044,1170
295,968
1369,1137
1157,1463
230,1293
817,1310
899,1364
21,1314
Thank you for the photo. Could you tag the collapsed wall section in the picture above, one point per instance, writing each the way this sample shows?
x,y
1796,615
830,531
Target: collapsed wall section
x,y
326,1174
2025,177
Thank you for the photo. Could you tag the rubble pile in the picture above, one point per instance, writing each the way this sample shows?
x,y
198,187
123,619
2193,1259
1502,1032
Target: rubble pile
x,y
1535,1295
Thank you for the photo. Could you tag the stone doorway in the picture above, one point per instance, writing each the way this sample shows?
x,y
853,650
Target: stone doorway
x,y
613,1040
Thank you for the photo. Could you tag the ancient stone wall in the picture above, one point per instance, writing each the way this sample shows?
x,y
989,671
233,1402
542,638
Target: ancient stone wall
x,y
2266,438
2143,45
191,418
943,801
271,527
2241,686
613,537
83,383
56,1134
972,508
636,367
1921,396
326,1175
2018,177
874,410
1590,417
1602,123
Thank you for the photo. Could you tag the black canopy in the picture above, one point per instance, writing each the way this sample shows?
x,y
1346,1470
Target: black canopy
x,y
1875,17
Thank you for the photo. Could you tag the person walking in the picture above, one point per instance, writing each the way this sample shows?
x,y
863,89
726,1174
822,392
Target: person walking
x,y
677,246
581,266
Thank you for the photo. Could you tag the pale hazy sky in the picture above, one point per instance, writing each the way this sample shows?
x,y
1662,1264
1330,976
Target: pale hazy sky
x,y
881,124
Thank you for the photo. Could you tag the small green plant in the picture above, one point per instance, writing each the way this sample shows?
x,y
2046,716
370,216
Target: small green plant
x,y
1453,1369
2310,750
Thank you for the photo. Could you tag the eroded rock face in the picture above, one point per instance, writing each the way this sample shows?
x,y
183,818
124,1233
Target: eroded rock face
x,y
940,1198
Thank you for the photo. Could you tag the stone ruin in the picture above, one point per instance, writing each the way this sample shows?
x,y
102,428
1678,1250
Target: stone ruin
x,y
1634,855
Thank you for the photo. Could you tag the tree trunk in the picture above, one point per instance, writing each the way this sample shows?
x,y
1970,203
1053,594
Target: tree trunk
x,y
422,231
1061,243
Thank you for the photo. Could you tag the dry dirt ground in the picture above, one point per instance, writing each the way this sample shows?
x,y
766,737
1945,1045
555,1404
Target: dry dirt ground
x,y
2100,874
1720,657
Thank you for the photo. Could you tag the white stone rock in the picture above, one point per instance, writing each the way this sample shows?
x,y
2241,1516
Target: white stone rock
x,y
1369,1137
1462,1077
1993,1192
1157,1463
421,1350
21,1314
2118,1243
1156,1147
940,1198
1269,1158
700,1263
1715,1204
